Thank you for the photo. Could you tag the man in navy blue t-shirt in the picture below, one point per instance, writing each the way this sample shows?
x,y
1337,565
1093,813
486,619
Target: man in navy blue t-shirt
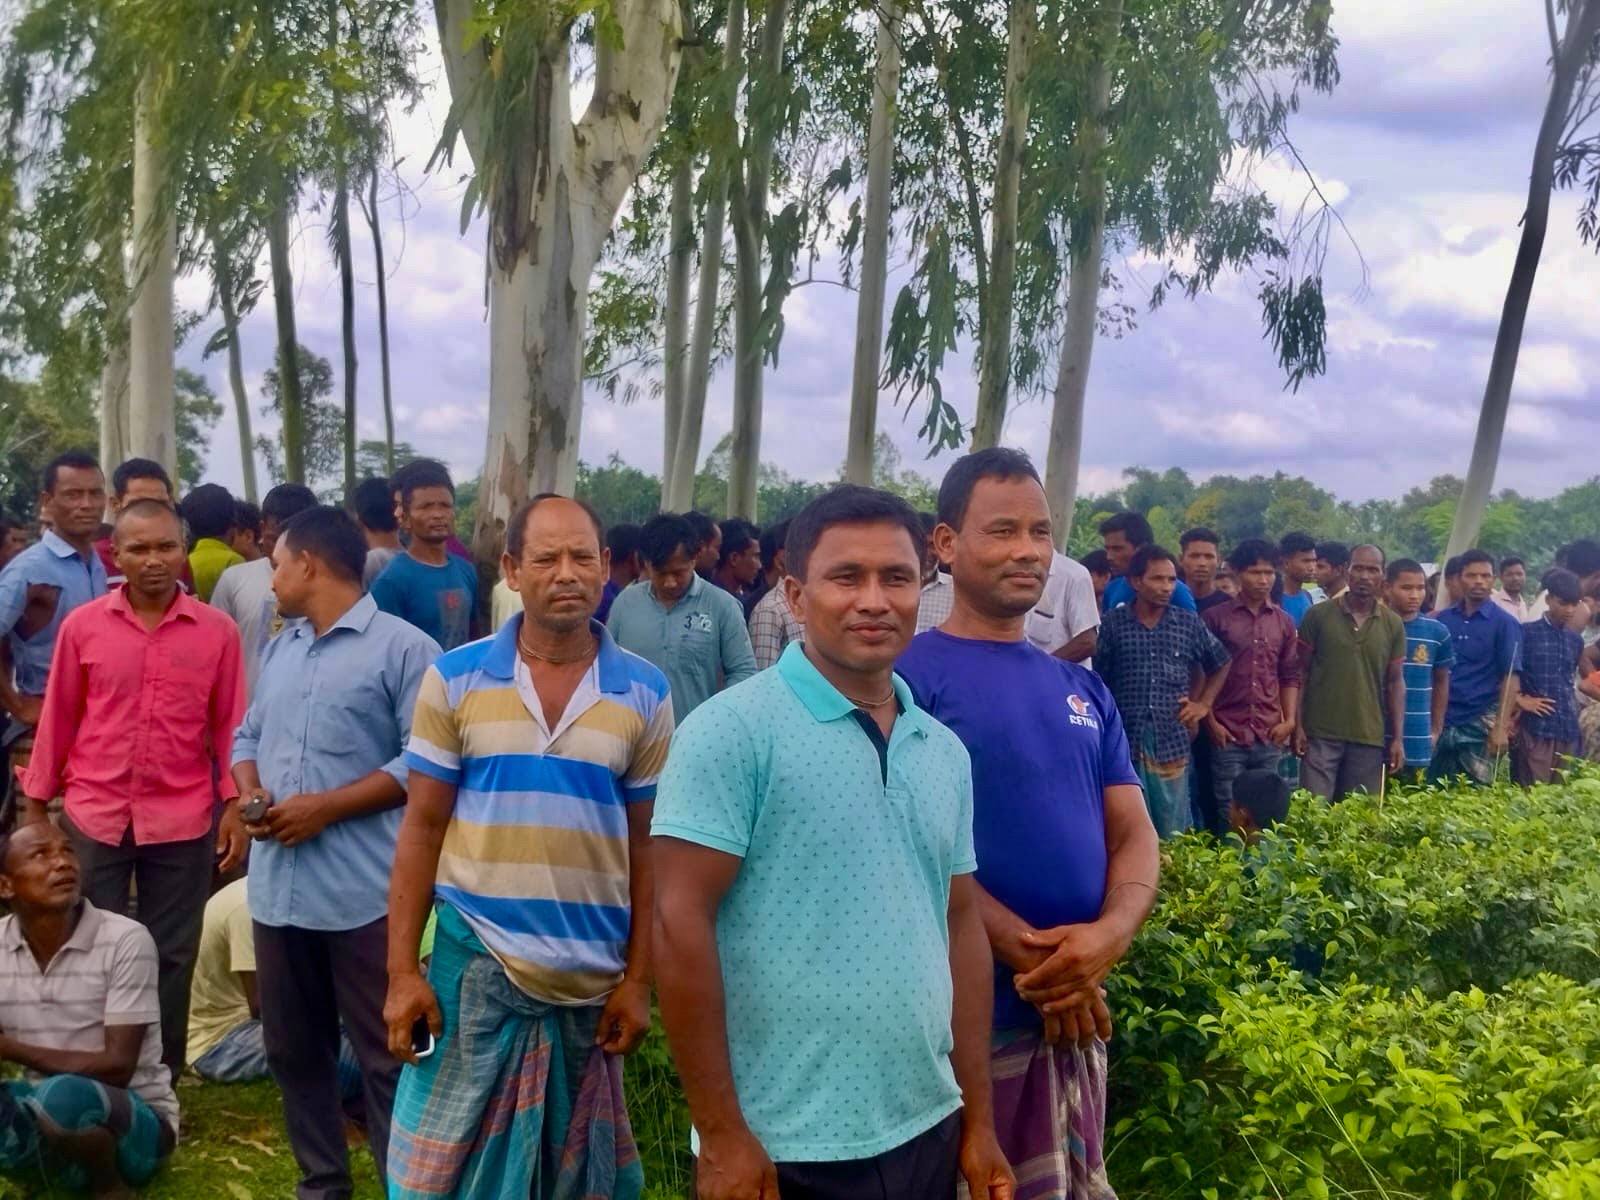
x,y
426,584
1067,856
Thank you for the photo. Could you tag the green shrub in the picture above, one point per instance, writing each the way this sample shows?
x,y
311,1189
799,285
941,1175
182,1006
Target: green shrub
x,y
1390,1000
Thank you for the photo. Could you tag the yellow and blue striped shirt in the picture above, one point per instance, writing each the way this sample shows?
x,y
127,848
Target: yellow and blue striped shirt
x,y
536,855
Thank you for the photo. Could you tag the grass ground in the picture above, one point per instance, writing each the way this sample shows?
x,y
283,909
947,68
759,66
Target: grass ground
x,y
234,1146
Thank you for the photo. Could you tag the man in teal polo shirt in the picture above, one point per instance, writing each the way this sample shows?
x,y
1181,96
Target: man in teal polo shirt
x,y
823,971
691,629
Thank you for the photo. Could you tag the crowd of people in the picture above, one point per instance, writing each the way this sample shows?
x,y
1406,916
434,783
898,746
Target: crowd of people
x,y
869,801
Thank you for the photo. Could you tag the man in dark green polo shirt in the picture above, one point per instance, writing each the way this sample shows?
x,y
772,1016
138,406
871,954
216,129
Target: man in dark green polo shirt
x,y
1354,701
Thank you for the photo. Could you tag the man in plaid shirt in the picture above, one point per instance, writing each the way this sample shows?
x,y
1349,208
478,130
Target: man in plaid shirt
x,y
1150,652
1549,701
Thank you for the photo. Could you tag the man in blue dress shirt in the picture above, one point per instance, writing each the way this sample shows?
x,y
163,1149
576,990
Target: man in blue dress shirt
x,y
41,585
324,741
1484,685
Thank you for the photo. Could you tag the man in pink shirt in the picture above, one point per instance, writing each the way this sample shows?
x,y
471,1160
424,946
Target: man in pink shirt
x,y
146,688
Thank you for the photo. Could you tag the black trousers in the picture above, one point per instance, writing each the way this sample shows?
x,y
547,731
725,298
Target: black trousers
x,y
925,1168
174,883
312,982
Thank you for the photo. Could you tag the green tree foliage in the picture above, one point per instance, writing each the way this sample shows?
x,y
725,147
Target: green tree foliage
x,y
197,413
324,424
38,420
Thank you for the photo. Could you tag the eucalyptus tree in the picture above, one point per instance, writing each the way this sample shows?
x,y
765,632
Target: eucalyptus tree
x,y
1566,150
552,188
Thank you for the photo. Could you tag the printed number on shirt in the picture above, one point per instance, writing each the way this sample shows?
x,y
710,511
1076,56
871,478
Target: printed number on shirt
x,y
697,623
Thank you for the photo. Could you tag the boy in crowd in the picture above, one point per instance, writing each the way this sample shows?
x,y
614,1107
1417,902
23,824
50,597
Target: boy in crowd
x,y
1511,595
1200,564
429,586
1333,568
1430,654
1260,801
1548,701
1300,592
209,513
246,540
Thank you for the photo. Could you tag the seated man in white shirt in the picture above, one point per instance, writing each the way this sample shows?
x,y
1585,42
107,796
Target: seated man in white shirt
x,y
79,1013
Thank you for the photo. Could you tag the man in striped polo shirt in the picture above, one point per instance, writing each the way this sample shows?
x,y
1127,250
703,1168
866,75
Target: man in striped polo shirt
x,y
534,755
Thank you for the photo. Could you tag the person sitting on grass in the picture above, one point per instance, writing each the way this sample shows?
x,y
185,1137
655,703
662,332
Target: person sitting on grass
x,y
1260,801
79,1014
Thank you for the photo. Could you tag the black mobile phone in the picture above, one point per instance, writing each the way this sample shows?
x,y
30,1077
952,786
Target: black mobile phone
x,y
256,809
421,1038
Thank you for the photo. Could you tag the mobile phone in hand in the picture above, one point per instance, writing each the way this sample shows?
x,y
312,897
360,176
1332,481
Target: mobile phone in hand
x,y
421,1038
254,811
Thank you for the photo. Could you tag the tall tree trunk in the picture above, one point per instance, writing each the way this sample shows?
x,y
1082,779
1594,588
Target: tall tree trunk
x,y
152,408
674,359
375,225
686,456
347,319
874,250
114,401
751,180
1583,21
1087,249
552,198
293,411
222,272
994,355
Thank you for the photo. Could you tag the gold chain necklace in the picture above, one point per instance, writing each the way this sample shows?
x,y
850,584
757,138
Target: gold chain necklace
x,y
871,703
555,662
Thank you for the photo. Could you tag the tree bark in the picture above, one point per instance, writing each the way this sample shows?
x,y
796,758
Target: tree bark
x,y
1065,447
686,456
375,225
152,411
1583,21
874,250
750,183
347,319
292,411
994,354
114,401
674,359
553,194
222,272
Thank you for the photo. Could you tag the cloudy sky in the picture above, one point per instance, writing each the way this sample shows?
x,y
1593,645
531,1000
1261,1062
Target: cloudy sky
x,y
1424,147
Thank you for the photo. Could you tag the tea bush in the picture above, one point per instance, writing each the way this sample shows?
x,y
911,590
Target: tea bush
x,y
1395,999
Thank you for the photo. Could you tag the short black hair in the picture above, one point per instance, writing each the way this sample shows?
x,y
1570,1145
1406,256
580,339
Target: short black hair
x,y
1452,567
1404,566
1583,557
420,473
1130,525
774,538
1264,795
331,535
1563,585
143,509
664,535
1096,562
1145,555
737,534
1198,534
246,516
287,500
208,510
517,527
997,462
623,541
138,468
80,460
1474,556
1513,560
852,504
1252,551
1335,554
1296,542
701,527
373,501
